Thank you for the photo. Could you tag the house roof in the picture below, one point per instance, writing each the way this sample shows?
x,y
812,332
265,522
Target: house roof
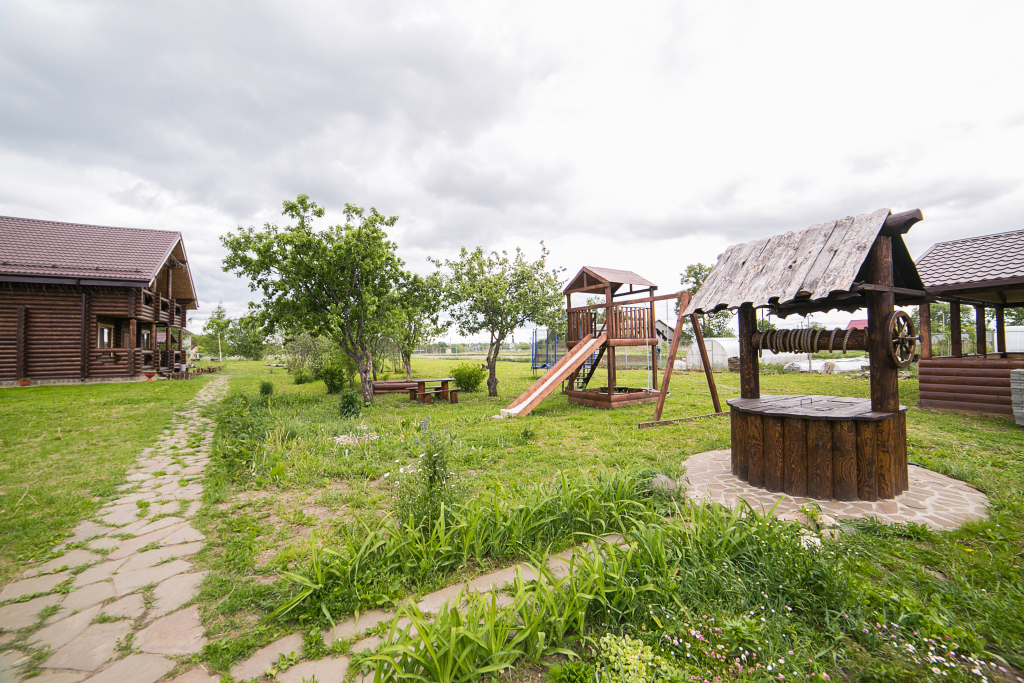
x,y
982,267
857,325
815,269
75,253
595,279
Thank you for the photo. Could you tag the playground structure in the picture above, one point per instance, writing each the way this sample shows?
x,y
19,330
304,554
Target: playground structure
x,y
594,332
543,357
822,446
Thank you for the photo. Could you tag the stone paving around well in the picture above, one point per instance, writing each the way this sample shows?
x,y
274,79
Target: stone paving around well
x,y
124,617
933,499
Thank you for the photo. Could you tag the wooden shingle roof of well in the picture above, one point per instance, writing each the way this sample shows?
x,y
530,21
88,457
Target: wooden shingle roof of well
x,y
815,269
590,277
76,253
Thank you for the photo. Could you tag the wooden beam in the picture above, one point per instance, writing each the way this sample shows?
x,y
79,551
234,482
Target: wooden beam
x,y
955,333
611,332
925,316
884,377
868,287
660,297
981,345
684,301
750,385
1001,331
900,223
653,333
662,423
699,335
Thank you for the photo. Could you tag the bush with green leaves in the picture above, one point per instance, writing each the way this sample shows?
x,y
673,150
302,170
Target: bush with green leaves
x,y
266,388
350,404
468,376
302,375
336,372
576,671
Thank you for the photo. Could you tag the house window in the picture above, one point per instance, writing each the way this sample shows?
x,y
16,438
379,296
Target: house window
x,y
105,336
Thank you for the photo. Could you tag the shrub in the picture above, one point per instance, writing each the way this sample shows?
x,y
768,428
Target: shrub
x,y
468,376
572,672
266,388
350,404
303,375
336,373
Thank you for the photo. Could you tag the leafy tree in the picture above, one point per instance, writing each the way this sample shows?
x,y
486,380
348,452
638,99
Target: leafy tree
x,y
418,313
247,338
218,322
338,283
499,294
712,324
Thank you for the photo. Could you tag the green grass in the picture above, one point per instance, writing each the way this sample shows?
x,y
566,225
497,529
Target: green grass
x,y
278,477
65,450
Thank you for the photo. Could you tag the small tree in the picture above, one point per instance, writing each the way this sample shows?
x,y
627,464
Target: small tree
x,y
339,283
247,338
712,324
419,310
499,294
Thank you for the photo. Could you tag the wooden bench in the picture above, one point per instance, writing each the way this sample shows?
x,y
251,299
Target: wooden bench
x,y
393,387
425,397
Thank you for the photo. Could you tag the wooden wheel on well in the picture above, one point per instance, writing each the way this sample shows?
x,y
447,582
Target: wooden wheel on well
x,y
903,339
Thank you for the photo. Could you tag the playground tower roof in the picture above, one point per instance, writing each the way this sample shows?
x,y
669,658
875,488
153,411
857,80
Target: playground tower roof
x,y
591,279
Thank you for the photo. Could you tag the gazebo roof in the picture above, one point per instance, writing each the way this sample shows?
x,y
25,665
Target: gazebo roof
x,y
592,279
986,268
819,268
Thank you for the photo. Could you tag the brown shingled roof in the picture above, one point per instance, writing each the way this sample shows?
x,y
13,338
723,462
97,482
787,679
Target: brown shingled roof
x,y
974,260
92,254
616,278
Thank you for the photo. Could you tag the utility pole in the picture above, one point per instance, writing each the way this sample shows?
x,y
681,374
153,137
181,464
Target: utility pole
x,y
220,354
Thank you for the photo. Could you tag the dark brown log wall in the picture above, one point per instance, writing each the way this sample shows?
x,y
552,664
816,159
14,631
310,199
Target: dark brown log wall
x,y
975,384
51,343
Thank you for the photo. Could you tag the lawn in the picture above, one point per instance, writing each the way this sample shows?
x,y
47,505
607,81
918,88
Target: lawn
x,y
279,481
63,452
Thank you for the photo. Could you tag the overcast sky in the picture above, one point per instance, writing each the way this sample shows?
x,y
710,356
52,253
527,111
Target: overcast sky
x,y
641,136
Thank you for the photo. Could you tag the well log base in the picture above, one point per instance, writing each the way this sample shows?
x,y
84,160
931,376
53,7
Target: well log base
x,y
840,454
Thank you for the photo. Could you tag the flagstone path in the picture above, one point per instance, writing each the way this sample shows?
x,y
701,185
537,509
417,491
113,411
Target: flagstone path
x,y
122,618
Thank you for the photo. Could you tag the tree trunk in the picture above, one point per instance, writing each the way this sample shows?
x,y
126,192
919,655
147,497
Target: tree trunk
x,y
365,380
407,361
492,368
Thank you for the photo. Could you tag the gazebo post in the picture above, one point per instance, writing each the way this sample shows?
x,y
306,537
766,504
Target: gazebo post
x,y
981,346
925,318
1001,331
955,333
884,378
609,329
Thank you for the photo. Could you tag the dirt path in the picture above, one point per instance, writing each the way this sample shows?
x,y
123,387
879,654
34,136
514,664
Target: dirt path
x,y
112,607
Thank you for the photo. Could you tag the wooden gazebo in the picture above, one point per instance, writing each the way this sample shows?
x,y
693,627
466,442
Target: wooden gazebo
x,y
822,446
627,322
987,273
86,302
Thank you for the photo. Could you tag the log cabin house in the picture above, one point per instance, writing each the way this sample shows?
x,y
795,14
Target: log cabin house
x,y
985,272
88,302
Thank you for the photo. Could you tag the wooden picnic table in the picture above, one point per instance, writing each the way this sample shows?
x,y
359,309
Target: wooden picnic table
x,y
422,388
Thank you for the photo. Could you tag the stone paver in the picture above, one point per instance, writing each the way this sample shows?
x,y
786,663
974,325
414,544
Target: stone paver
x,y
324,670
90,649
71,559
351,627
42,584
179,633
260,661
23,614
79,647
197,675
58,634
176,591
130,581
132,607
87,596
136,669
933,499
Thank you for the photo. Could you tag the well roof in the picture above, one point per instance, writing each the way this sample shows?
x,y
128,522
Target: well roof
x,y
814,269
76,253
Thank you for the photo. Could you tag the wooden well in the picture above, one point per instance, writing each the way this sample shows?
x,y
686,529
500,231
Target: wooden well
x,y
820,447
